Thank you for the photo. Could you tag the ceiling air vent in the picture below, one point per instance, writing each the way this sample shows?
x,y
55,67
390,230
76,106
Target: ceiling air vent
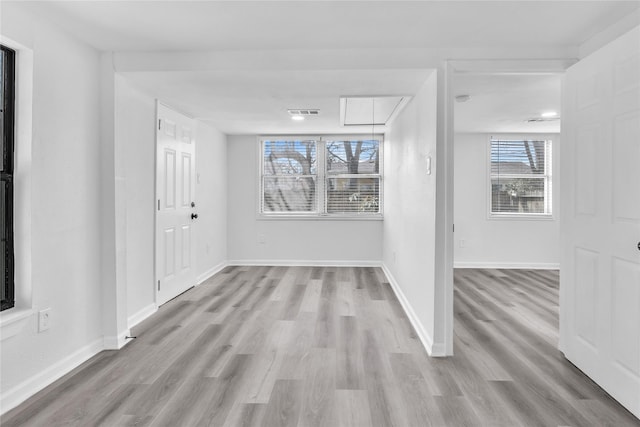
x,y
542,119
304,112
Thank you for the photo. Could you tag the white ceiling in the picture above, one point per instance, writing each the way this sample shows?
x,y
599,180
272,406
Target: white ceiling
x,y
503,103
205,25
344,48
256,101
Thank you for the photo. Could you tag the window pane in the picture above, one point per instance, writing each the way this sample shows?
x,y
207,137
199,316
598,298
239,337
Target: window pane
x,y
2,104
289,157
3,240
3,211
517,157
353,157
3,274
289,194
353,195
525,195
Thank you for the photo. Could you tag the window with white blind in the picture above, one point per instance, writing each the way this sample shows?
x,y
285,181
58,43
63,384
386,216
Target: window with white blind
x,y
321,176
520,178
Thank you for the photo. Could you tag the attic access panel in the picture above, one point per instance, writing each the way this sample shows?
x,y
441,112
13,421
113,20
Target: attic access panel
x,y
364,110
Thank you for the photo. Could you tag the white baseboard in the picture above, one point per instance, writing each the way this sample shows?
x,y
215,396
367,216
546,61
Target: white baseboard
x,y
438,350
11,398
141,315
210,272
116,342
425,338
304,263
509,265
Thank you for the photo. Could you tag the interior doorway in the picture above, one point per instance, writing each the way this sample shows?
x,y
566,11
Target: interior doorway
x,y
490,72
581,306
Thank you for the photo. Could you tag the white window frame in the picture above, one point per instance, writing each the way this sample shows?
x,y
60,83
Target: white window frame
x,y
321,179
547,177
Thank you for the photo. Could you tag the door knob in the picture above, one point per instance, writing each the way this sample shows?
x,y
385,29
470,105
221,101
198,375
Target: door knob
x,y
639,246
194,216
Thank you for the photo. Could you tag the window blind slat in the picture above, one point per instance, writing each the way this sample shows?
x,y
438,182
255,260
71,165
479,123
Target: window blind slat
x,y
289,194
353,194
518,157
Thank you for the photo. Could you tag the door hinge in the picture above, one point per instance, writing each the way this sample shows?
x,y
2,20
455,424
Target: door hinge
x,y
158,284
454,228
158,204
159,123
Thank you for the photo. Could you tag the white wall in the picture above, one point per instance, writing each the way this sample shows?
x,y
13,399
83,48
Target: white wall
x,y
410,200
90,164
498,243
135,118
352,242
211,200
65,226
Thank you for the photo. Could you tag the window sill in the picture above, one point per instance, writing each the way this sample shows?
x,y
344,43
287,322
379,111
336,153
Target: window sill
x,y
12,321
521,217
285,217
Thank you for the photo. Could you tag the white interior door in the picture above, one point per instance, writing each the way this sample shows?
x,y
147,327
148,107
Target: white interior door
x,y
600,218
175,211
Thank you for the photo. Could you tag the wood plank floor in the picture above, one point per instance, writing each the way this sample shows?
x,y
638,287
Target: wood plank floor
x,y
298,346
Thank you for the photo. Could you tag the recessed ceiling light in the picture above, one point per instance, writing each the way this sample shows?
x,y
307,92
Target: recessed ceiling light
x,y
549,114
297,118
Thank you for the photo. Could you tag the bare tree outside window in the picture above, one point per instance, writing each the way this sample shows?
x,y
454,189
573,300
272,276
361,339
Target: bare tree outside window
x,y
353,182
290,181
309,176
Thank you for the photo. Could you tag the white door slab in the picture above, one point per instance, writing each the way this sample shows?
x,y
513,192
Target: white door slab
x,y
175,176
600,218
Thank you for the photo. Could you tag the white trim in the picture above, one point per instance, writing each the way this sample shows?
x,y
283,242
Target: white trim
x,y
318,217
508,265
116,342
504,216
13,321
303,263
434,350
141,315
210,273
510,66
609,34
13,397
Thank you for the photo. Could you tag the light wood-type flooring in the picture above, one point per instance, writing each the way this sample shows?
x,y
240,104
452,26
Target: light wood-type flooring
x,y
322,346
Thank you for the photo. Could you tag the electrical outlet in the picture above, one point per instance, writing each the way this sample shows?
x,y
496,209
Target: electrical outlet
x,y
262,239
463,243
44,319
